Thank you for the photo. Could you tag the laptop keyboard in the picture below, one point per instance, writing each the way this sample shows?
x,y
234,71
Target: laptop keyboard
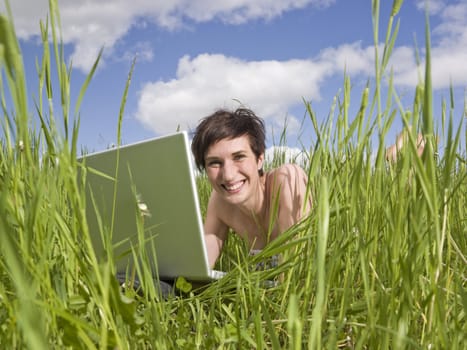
x,y
215,274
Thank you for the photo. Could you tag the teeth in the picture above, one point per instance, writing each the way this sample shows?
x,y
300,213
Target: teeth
x,y
234,186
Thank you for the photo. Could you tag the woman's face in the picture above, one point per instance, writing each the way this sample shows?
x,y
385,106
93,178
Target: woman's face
x,y
232,169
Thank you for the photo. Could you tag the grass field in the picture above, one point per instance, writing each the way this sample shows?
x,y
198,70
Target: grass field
x,y
379,264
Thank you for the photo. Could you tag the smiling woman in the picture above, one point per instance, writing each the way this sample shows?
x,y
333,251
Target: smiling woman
x,y
257,206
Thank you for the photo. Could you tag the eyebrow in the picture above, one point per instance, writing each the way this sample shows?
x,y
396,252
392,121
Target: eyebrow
x,y
208,159
237,153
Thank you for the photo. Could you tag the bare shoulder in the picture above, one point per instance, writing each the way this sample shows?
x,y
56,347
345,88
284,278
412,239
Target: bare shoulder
x,y
289,181
287,185
287,173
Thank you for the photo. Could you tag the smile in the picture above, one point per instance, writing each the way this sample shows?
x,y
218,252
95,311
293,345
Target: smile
x,y
234,187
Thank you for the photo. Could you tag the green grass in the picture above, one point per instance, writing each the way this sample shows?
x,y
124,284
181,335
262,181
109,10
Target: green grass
x,y
379,264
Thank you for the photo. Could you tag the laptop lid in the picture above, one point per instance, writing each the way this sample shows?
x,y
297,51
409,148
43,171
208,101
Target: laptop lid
x,y
156,175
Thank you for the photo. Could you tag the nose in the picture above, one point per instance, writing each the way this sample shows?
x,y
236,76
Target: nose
x,y
228,171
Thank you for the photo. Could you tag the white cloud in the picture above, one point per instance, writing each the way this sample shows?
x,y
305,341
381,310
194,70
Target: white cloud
x,y
404,66
90,25
272,88
142,51
352,58
285,154
216,81
448,52
433,6
448,48
241,11
209,81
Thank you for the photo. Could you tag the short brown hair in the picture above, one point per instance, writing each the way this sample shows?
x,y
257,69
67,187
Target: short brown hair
x,y
224,124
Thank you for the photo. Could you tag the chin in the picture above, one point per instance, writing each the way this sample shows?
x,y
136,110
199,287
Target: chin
x,y
234,198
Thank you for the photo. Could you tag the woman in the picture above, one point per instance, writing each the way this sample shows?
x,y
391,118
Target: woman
x,y
256,205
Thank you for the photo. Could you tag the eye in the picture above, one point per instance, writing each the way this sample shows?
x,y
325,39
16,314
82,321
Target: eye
x,y
214,163
239,156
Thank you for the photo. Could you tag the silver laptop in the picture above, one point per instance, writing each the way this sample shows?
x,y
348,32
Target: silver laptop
x,y
157,176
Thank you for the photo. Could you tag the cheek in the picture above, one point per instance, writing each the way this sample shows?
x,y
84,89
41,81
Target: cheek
x,y
212,174
252,168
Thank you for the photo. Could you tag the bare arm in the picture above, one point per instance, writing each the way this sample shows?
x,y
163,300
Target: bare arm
x,y
393,151
215,231
290,184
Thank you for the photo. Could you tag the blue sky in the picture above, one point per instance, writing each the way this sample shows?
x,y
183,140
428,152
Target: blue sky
x,y
194,56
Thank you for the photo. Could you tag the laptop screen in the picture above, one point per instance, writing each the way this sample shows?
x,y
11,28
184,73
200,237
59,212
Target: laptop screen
x,y
157,177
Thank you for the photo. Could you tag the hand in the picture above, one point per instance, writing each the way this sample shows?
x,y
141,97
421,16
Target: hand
x,y
393,151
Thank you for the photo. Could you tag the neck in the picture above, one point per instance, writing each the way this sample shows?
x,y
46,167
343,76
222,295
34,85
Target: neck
x,y
256,206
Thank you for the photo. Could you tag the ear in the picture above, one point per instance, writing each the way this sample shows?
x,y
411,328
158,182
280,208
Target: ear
x,y
260,161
